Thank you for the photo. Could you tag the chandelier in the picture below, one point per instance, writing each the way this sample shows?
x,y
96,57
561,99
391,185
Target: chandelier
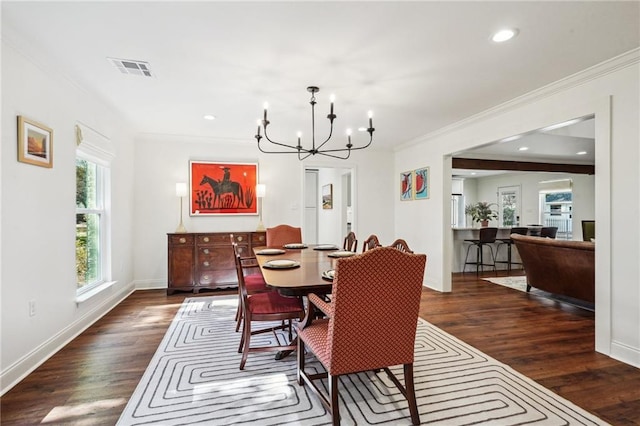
x,y
340,153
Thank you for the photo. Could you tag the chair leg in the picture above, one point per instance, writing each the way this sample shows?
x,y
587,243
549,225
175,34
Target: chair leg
x,y
239,313
411,394
300,361
493,258
333,395
247,339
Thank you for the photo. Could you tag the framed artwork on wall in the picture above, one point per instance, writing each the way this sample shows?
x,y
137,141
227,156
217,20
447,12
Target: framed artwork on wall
x,y
421,183
219,188
35,143
406,185
327,196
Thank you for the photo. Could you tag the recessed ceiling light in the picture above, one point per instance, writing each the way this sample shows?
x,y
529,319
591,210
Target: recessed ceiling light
x,y
504,35
581,153
523,148
209,117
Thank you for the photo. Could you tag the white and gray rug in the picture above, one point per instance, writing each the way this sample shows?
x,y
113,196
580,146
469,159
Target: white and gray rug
x,y
518,282
194,379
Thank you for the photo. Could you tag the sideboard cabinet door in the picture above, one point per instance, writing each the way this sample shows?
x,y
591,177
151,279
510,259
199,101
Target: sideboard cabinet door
x,y
181,262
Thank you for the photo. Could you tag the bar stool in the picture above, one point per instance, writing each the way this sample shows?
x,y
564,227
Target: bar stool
x,y
485,239
549,232
508,242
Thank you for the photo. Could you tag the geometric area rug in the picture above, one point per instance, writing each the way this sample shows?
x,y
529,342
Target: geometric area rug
x,y
193,378
517,282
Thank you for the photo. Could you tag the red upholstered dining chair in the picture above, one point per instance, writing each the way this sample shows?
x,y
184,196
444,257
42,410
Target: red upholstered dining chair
x,y
401,245
253,279
370,243
264,306
350,242
283,234
363,333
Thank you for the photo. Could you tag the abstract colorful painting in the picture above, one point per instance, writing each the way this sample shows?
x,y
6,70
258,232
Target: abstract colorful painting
x,y
406,185
421,183
222,188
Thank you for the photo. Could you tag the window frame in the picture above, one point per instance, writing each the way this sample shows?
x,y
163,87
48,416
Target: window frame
x,y
97,150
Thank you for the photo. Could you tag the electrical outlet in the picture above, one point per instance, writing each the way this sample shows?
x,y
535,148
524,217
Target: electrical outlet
x,y
32,308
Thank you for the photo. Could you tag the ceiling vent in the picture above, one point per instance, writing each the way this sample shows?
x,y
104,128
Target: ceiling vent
x,y
128,66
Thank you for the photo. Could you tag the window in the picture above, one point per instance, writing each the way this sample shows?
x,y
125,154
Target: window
x,y
89,217
92,213
556,206
509,205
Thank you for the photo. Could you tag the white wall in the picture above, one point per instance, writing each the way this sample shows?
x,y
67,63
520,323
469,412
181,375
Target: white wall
x,y
583,194
161,161
38,216
610,91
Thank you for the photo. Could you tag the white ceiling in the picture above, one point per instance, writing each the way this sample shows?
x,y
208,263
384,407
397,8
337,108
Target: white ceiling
x,y
419,66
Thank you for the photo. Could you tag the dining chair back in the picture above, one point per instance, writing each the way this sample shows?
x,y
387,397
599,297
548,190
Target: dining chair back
x,y
401,245
370,324
350,242
370,243
267,306
252,277
283,234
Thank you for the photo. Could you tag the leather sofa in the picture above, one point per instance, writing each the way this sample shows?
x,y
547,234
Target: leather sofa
x,y
558,266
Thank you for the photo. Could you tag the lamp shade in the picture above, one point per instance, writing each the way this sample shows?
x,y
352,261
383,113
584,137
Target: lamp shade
x,y
181,189
261,190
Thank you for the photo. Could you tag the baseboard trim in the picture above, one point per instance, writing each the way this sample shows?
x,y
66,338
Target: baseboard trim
x,y
625,353
20,369
150,284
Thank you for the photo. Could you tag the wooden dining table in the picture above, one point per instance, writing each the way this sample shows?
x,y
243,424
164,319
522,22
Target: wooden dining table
x,y
303,279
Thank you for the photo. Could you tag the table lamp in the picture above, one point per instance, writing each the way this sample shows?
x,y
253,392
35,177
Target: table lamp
x,y
181,191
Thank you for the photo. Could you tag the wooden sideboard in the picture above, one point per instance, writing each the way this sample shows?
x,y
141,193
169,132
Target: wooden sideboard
x,y
199,261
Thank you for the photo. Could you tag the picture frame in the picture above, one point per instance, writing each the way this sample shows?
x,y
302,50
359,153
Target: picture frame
x,y
222,188
327,196
35,143
421,184
406,186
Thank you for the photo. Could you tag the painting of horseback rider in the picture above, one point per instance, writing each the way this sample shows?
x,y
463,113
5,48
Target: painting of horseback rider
x,y
223,188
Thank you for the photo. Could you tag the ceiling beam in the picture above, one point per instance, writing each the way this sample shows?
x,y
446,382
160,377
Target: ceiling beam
x,y
521,166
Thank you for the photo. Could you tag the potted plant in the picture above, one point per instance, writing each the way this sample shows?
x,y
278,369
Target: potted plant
x,y
481,212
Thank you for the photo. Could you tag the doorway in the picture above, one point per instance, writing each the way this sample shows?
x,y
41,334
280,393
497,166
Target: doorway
x,y
330,206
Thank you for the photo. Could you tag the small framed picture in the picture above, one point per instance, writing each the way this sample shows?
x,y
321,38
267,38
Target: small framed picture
x,y
421,183
406,186
327,196
35,143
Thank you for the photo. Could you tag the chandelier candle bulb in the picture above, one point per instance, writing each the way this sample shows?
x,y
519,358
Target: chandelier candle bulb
x,y
371,119
332,98
266,105
258,127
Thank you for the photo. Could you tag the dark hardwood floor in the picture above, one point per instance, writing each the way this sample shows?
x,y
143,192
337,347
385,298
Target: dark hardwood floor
x,y
89,381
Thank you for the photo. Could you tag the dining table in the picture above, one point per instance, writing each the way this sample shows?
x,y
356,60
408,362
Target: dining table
x,y
298,271
306,270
